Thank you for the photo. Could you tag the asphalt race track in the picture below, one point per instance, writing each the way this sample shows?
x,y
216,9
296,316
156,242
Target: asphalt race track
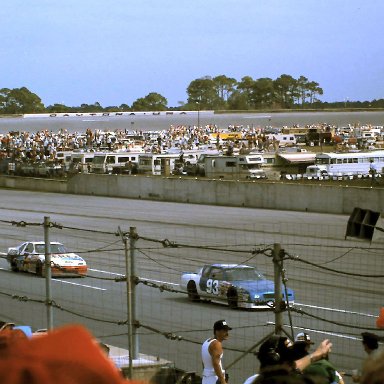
x,y
183,223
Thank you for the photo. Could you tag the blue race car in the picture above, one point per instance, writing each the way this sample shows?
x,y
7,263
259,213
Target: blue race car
x,y
240,286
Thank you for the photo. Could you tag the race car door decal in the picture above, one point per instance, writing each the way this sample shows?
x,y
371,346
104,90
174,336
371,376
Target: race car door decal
x,y
213,286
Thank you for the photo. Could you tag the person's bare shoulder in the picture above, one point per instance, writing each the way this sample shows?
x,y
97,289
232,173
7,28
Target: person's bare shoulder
x,y
215,347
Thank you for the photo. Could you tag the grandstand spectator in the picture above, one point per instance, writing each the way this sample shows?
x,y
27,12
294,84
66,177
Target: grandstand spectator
x,y
319,370
323,371
278,360
370,344
302,345
373,369
212,353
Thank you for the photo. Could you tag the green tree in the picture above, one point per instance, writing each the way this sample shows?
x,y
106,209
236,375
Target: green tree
x,y
285,90
20,100
124,107
245,87
238,101
224,86
302,89
111,108
313,90
202,94
88,108
152,102
3,98
58,108
262,93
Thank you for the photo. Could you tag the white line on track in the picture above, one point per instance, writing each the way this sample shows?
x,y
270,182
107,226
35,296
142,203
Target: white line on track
x,y
106,272
89,286
334,310
310,331
69,282
81,285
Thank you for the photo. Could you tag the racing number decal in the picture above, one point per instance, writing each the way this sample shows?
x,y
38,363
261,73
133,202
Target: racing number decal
x,y
213,286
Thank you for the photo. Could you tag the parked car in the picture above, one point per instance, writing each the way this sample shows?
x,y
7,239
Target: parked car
x,y
30,257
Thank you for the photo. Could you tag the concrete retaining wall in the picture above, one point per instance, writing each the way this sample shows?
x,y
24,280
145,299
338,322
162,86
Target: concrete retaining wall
x,y
33,184
267,195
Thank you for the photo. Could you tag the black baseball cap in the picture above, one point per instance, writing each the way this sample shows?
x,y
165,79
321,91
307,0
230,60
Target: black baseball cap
x,y
221,324
275,350
370,339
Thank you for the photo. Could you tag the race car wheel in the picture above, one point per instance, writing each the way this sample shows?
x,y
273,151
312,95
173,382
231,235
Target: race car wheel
x,y
232,299
192,291
39,269
14,266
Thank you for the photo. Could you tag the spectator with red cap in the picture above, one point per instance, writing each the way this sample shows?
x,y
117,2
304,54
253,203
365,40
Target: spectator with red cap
x,y
65,355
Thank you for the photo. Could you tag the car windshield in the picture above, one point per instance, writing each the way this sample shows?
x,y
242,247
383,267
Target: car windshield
x,y
55,248
243,274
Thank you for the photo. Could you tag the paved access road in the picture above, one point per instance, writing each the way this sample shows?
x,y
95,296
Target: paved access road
x,y
90,224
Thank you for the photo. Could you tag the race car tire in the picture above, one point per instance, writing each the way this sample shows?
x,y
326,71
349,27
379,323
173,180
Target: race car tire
x,y
232,298
39,269
14,267
192,291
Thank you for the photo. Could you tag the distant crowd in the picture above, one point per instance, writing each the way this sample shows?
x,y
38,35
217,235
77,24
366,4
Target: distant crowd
x,y
44,145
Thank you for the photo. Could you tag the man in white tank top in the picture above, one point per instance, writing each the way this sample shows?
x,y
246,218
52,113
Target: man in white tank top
x,y
212,353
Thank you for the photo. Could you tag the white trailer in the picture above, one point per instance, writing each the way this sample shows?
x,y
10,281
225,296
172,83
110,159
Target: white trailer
x,y
157,164
233,167
115,162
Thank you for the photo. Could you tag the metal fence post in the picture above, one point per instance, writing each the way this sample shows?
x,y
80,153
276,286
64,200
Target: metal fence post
x,y
46,268
132,245
278,290
129,302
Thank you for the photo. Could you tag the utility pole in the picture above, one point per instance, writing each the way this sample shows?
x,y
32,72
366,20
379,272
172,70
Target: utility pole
x,y
46,268
278,291
132,246
131,306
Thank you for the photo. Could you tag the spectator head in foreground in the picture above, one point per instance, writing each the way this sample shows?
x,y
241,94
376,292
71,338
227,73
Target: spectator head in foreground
x,y
276,351
65,355
370,342
373,369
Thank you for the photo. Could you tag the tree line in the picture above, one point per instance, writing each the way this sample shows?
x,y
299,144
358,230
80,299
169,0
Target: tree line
x,y
206,93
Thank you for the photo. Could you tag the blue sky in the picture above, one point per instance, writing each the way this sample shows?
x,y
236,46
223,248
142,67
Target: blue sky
x,y
115,51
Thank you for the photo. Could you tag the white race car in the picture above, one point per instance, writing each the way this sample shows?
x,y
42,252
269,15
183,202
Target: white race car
x,y
30,257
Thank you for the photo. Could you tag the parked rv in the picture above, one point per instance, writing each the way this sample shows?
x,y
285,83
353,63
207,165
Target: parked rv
x,y
64,159
157,164
283,140
81,162
233,167
115,162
